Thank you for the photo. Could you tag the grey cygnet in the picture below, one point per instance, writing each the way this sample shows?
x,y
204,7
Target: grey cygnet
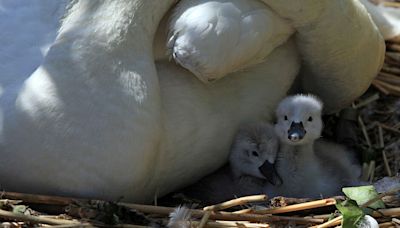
x,y
308,166
251,166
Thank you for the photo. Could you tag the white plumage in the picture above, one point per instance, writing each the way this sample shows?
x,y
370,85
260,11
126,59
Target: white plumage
x,y
215,38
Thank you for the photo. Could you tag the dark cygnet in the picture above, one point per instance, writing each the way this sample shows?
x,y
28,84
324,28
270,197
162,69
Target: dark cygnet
x,y
250,167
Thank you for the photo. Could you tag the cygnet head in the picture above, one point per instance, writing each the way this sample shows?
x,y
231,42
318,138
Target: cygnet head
x,y
299,119
254,151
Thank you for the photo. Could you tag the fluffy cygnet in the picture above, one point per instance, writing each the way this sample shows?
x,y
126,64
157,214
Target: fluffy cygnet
x,y
251,160
309,167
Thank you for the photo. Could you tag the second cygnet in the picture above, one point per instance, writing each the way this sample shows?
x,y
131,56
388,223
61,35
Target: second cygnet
x,y
308,167
251,166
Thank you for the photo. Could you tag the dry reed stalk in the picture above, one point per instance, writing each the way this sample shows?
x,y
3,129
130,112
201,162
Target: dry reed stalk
x,y
364,131
386,163
391,70
243,211
204,219
324,217
381,141
388,79
38,199
387,212
367,101
379,87
334,222
78,226
392,62
365,169
393,55
385,225
395,39
371,171
34,219
226,224
393,47
393,76
299,207
389,128
391,4
236,202
392,88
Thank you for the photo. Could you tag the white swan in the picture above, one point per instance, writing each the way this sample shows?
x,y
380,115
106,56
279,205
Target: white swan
x,y
103,117
309,169
251,160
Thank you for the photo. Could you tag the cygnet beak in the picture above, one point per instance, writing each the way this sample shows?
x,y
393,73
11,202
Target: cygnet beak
x,y
269,172
296,132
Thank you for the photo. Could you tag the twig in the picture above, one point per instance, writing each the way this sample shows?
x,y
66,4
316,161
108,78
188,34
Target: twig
x,y
379,87
386,163
325,216
243,211
391,4
387,212
395,220
386,127
389,76
390,89
334,222
367,101
204,220
39,199
299,207
395,39
393,47
33,219
225,224
393,55
78,225
381,141
364,131
371,171
236,202
365,169
385,225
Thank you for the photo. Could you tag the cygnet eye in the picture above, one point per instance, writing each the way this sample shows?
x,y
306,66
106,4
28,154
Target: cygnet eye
x,y
310,118
286,118
254,153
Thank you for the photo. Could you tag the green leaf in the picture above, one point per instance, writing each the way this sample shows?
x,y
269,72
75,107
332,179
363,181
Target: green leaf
x,y
363,194
351,213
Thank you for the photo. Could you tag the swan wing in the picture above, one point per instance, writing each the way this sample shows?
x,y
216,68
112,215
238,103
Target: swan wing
x,y
214,38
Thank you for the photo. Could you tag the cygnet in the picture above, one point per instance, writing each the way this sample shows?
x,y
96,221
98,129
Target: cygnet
x,y
308,166
251,166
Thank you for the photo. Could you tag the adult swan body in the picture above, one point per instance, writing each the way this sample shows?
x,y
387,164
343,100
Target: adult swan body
x,y
107,114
